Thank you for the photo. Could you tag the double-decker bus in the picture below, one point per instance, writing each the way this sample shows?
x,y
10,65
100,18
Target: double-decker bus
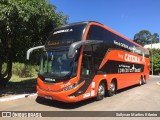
x,y
87,59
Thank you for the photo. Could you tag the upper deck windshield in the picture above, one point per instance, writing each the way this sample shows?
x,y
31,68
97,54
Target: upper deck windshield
x,y
66,35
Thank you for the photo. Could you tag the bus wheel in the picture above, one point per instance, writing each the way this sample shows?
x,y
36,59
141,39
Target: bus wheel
x,y
112,89
101,91
141,81
144,80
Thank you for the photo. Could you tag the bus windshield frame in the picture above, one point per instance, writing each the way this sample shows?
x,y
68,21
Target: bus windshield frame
x,y
56,64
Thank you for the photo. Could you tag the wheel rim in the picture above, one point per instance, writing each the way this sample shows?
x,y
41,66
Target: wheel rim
x,y
144,80
101,91
112,87
140,82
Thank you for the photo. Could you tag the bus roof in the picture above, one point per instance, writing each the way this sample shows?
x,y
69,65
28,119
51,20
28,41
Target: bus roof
x,y
106,27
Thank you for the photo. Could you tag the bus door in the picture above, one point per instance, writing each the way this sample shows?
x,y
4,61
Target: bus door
x,y
87,67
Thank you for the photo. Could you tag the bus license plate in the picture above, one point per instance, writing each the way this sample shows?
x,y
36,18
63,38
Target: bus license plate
x,y
48,97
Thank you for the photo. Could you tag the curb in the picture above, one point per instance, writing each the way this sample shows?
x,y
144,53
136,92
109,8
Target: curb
x,y
17,97
158,83
154,76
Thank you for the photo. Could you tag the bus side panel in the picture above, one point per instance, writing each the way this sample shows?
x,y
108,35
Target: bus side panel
x,y
124,66
123,80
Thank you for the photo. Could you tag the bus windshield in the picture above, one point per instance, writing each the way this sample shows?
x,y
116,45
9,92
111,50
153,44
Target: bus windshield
x,y
65,36
56,64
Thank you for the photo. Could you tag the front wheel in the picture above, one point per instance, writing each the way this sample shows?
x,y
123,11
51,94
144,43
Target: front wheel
x,y
101,91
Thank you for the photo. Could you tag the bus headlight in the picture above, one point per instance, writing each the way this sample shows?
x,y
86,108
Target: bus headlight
x,y
71,86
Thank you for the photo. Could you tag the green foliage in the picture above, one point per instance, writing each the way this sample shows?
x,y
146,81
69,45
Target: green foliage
x,y
4,66
156,60
27,23
22,70
24,24
144,37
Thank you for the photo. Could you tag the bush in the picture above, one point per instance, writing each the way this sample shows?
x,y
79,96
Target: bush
x,y
4,66
22,70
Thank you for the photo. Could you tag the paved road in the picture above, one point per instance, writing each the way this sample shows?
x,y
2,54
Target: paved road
x,y
136,98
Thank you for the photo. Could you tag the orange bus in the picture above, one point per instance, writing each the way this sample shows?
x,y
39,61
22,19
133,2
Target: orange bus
x,y
87,59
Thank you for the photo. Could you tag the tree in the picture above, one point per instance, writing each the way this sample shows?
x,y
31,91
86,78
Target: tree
x,y
145,37
24,24
155,38
156,60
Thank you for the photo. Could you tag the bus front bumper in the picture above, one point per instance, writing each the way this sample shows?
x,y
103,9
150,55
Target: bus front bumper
x,y
63,96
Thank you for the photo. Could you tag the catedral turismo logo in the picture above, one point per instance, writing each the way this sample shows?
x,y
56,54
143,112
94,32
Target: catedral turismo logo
x,y
131,58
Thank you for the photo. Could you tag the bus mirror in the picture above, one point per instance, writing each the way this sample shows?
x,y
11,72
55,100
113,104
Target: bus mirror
x,y
31,49
74,46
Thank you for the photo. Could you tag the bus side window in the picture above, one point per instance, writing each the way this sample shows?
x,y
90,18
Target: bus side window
x,y
98,55
95,33
86,67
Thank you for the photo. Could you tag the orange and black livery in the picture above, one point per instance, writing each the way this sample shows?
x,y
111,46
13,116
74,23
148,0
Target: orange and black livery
x,y
87,59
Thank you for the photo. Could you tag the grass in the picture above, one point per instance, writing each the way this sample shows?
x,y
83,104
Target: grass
x,y
23,80
22,70
19,85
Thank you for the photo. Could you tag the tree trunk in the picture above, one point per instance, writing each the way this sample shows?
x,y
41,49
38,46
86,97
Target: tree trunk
x,y
6,75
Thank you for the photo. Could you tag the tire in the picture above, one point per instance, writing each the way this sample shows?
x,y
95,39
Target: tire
x,y
101,91
40,99
112,89
144,80
141,81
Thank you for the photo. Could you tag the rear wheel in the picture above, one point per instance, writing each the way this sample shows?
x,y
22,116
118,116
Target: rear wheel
x,y
141,81
112,89
144,80
101,91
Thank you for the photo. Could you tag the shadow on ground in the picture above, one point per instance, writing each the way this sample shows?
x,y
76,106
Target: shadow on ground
x,y
63,105
15,88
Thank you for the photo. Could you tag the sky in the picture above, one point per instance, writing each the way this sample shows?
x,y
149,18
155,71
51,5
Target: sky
x,y
127,17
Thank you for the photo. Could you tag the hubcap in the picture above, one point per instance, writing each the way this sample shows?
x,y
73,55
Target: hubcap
x,y
112,87
144,80
101,90
140,82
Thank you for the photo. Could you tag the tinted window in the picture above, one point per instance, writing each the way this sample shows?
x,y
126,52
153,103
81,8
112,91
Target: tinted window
x,y
112,41
66,35
95,33
87,66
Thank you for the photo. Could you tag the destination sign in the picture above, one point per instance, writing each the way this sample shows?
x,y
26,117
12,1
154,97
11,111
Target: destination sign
x,y
59,43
